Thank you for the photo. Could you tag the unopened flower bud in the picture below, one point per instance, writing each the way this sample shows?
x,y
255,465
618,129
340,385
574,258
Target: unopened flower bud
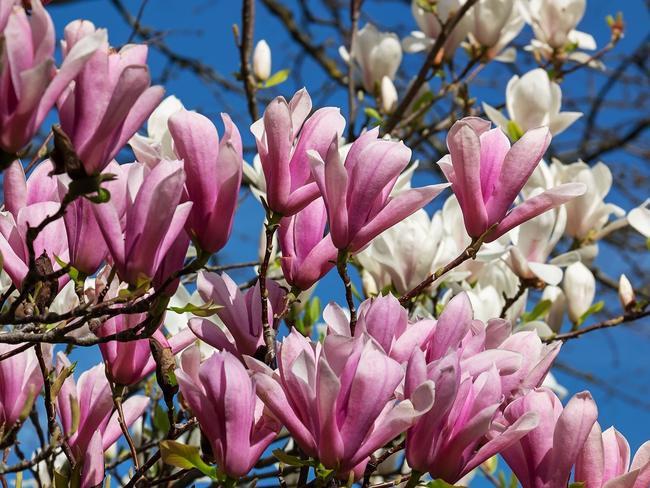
x,y
626,292
262,61
580,289
388,95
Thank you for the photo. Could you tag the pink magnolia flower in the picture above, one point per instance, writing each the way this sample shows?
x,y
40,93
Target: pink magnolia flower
x,y
307,256
13,240
97,427
338,399
140,230
486,175
109,101
20,384
29,81
357,194
19,192
129,362
449,441
240,312
545,456
284,135
386,321
214,171
604,461
222,396
522,359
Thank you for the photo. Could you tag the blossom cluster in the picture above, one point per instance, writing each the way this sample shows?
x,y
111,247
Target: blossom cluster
x,y
439,357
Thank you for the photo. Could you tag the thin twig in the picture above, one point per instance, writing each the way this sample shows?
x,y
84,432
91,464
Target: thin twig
x,y
245,50
342,268
355,10
605,324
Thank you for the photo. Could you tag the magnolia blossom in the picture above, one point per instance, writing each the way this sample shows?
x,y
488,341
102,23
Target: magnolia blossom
x,y
20,384
142,230
130,361
545,456
639,219
262,60
554,21
386,321
403,255
95,428
430,26
378,55
109,100
494,24
288,182
579,289
588,213
157,144
315,386
307,256
532,101
486,175
534,241
222,396
29,86
213,171
604,461
241,313
446,441
357,193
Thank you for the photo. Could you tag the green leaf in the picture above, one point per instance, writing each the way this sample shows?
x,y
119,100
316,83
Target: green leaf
x,y
276,78
539,310
424,99
577,484
595,308
205,310
103,196
514,131
312,313
185,457
356,293
58,381
160,419
290,460
441,484
73,273
60,480
373,114
491,464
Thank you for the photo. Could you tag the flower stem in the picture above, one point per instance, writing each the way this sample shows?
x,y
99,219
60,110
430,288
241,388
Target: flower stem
x,y
342,267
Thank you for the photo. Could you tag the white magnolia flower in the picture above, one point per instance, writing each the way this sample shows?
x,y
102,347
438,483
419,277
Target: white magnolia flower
x,y
262,61
588,214
579,289
533,101
378,54
494,24
554,21
403,254
534,240
430,27
158,143
639,219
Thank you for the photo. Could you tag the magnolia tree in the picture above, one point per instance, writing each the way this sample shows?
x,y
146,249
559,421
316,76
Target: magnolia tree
x,y
433,365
